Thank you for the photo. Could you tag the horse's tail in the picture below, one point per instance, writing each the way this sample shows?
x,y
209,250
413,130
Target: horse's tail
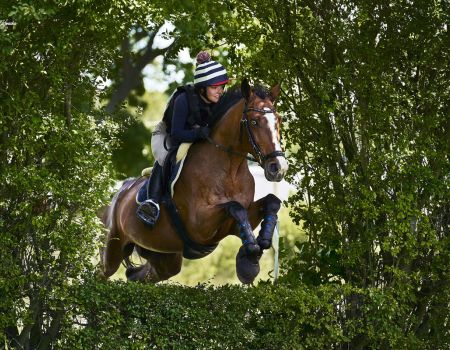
x,y
107,213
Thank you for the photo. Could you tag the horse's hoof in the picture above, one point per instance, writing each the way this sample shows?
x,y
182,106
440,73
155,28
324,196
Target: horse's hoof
x,y
246,268
137,273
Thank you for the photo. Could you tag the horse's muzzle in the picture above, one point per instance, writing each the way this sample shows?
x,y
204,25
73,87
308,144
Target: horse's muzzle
x,y
275,168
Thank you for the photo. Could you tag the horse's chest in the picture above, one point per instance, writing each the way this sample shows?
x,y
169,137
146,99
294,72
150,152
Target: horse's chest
x,y
242,191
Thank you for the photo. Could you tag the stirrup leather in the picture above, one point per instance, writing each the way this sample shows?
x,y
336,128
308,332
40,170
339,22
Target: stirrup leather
x,y
148,211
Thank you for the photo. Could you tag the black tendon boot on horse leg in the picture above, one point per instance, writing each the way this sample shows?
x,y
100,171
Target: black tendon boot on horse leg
x,y
239,213
271,207
148,211
247,259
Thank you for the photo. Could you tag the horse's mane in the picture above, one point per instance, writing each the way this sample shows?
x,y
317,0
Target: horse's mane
x,y
232,96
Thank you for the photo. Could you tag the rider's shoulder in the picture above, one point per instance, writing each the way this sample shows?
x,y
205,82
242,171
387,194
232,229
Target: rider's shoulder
x,y
182,98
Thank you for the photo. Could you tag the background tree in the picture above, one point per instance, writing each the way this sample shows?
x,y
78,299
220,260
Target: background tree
x,y
55,149
366,88
172,27
365,92
56,144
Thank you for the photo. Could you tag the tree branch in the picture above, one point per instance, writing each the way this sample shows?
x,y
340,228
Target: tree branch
x,y
131,73
68,104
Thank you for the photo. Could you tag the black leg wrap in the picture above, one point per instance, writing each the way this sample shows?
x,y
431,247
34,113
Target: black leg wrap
x,y
272,205
267,227
248,240
239,213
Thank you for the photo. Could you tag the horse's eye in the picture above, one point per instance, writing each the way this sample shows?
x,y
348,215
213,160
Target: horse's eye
x,y
254,122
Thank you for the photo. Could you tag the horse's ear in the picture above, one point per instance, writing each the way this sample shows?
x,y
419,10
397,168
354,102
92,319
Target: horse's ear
x,y
275,92
246,89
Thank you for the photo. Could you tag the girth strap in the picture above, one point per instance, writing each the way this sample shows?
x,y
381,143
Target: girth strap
x,y
191,249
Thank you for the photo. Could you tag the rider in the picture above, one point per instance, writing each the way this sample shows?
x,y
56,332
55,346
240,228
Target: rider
x,y
210,78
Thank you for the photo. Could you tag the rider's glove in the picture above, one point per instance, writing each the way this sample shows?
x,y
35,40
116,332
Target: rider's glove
x,y
203,132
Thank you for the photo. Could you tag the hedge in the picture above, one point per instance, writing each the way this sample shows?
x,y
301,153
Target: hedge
x,y
118,315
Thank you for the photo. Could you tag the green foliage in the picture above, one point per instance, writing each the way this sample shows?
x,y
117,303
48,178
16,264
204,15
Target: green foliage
x,y
53,186
132,152
55,150
365,95
138,316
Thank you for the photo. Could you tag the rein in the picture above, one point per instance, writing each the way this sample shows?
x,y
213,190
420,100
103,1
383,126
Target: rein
x,y
229,150
261,158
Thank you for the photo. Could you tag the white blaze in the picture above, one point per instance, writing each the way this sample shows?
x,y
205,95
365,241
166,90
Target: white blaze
x,y
272,121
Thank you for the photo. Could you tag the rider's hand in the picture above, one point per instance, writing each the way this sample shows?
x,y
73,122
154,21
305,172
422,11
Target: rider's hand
x,y
203,132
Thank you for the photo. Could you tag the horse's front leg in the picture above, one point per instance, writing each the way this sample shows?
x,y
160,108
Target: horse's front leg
x,y
265,210
247,259
239,213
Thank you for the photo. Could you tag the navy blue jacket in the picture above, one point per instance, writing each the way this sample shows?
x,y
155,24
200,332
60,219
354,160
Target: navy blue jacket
x,y
181,131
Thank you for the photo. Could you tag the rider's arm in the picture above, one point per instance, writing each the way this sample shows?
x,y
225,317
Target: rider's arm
x,y
179,132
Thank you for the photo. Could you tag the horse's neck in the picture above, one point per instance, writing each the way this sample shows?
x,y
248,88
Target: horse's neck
x,y
228,134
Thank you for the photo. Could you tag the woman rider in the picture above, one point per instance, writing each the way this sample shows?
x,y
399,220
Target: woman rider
x,y
210,78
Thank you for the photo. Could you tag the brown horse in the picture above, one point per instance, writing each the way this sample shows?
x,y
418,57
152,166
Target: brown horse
x,y
214,196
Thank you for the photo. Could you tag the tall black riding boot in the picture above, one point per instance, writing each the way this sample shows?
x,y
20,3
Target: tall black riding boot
x,y
148,211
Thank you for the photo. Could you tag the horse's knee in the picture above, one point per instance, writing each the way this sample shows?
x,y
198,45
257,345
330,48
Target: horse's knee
x,y
272,204
240,214
237,211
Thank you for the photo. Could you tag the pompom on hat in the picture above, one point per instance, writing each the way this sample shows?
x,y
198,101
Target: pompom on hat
x,y
209,72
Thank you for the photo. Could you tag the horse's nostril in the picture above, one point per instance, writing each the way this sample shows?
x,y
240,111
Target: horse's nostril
x,y
273,167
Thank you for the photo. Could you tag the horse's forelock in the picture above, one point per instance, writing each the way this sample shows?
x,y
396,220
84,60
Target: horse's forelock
x,y
261,91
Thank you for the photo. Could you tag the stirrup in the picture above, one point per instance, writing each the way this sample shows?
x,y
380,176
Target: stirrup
x,y
148,212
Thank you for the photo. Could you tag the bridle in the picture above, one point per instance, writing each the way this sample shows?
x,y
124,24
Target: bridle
x,y
260,157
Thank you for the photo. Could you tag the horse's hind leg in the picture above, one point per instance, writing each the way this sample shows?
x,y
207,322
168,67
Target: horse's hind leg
x,y
166,265
139,273
159,266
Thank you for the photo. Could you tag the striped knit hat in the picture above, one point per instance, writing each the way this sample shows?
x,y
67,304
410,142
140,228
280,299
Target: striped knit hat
x,y
209,72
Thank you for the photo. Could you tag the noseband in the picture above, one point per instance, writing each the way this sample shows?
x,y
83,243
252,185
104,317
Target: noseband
x,y
260,157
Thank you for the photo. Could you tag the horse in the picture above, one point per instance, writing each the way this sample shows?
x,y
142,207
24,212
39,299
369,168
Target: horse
x,y
213,196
